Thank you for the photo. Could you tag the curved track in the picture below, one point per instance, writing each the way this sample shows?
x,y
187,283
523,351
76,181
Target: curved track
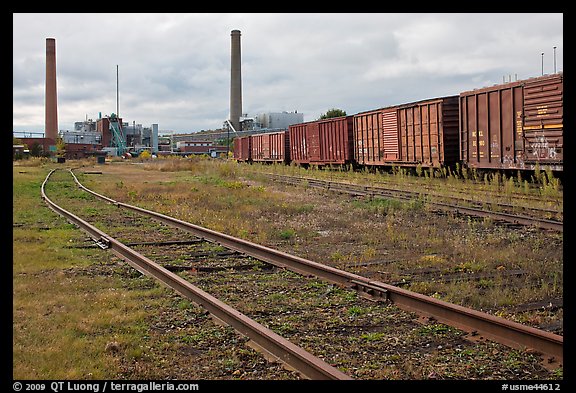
x,y
476,323
292,355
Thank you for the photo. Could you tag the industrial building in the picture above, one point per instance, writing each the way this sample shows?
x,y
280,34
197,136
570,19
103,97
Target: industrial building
x,y
200,147
238,122
107,135
272,121
110,135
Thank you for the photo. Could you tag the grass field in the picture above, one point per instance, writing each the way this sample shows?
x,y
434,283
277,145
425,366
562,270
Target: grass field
x,y
64,316
80,314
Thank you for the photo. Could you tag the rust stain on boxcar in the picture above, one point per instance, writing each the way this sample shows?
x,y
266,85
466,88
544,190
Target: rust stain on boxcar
x,y
513,125
242,147
270,147
423,132
319,142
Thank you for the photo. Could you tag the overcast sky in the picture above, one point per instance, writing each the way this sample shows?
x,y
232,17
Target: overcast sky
x,y
174,69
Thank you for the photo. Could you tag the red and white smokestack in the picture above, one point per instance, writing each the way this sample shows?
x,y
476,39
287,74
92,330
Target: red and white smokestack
x,y
235,81
51,119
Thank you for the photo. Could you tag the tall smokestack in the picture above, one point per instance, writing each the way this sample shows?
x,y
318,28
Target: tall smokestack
x,y
51,119
235,81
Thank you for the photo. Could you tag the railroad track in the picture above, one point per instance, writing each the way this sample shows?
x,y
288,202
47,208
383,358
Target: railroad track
x,y
451,189
263,338
477,324
354,189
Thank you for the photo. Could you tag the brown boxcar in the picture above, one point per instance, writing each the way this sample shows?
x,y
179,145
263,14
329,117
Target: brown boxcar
x,y
419,133
300,149
270,147
513,125
242,148
322,142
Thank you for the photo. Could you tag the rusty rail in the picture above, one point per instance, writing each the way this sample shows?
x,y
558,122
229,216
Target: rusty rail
x,y
477,323
264,338
407,195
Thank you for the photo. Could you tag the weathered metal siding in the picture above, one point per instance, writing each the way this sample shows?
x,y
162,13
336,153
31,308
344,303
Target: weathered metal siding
x,y
322,142
368,147
424,132
304,142
336,140
242,148
313,142
429,132
298,143
544,120
513,125
491,126
390,135
270,147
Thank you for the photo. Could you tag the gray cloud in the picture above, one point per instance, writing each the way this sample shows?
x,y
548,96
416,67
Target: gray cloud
x,y
175,68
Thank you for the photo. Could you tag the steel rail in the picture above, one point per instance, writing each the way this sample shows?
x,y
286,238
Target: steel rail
x,y
264,338
407,195
477,323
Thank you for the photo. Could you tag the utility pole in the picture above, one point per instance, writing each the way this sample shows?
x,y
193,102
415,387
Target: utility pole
x,y
554,59
117,99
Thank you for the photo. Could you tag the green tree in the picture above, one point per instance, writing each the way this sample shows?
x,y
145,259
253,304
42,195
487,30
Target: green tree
x,y
334,112
36,150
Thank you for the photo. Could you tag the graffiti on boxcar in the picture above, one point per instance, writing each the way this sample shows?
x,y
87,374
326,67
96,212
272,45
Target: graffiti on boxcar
x,y
541,149
507,161
494,147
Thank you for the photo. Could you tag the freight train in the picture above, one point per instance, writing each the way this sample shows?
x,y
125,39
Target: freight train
x,y
511,126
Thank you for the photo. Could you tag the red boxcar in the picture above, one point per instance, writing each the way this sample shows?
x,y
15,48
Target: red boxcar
x,y
270,147
322,142
513,125
242,148
423,132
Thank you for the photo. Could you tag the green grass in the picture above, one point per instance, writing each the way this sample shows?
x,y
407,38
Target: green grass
x,y
287,234
63,317
239,201
323,226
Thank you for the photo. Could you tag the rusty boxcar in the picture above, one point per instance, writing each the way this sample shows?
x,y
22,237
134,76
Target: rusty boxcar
x,y
242,147
322,142
270,147
419,133
513,125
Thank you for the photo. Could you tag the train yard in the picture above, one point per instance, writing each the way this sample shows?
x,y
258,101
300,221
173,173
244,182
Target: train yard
x,y
514,126
349,310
